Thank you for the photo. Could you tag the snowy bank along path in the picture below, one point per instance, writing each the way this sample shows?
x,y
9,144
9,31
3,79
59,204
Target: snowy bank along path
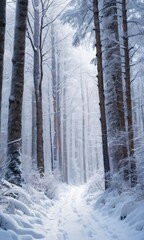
x,y
29,214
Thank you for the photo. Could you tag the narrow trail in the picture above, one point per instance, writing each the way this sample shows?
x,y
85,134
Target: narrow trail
x,y
72,219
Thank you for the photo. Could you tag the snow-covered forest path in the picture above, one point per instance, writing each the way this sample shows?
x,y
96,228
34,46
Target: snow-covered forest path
x,y
72,218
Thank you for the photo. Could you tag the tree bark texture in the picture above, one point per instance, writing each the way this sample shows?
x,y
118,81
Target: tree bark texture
x,y
13,173
2,41
101,93
38,75
114,88
40,156
128,94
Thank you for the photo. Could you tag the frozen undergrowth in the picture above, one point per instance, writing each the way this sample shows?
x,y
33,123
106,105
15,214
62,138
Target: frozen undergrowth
x,y
24,211
49,210
121,202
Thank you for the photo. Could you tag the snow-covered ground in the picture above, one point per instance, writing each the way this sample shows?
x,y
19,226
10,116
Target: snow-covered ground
x,y
27,214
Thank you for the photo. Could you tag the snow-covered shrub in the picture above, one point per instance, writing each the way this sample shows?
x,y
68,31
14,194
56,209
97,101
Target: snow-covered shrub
x,y
140,174
13,170
48,184
117,183
94,186
96,182
3,152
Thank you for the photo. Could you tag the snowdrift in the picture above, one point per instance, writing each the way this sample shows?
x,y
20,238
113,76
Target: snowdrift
x,y
23,212
121,203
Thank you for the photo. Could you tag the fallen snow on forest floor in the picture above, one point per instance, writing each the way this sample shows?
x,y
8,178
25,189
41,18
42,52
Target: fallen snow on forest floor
x,y
76,214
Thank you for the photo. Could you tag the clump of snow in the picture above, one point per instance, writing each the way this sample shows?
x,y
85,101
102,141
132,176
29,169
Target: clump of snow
x,y
136,217
12,98
127,208
17,205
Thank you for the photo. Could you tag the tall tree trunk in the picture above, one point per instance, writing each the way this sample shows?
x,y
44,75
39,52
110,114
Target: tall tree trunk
x,y
128,94
89,147
101,93
38,75
96,155
2,41
50,130
13,173
40,154
65,155
83,130
59,113
114,89
54,89
34,130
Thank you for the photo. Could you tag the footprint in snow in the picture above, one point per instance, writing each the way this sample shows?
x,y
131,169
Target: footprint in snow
x,y
59,222
90,233
65,235
62,235
95,219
